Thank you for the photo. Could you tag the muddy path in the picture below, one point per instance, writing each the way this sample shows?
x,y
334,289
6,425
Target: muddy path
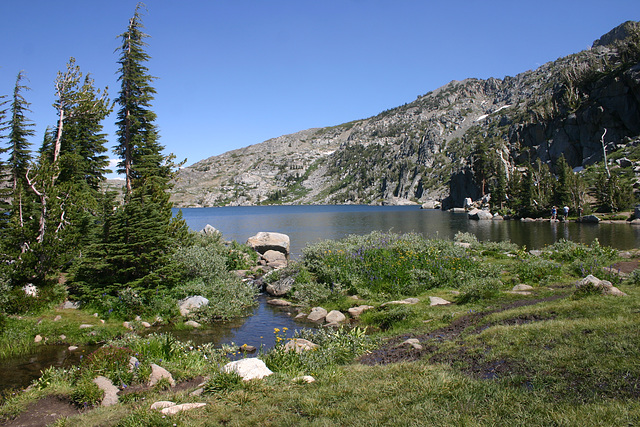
x,y
394,351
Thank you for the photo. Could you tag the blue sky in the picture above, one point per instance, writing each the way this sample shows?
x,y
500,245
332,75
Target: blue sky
x,y
232,73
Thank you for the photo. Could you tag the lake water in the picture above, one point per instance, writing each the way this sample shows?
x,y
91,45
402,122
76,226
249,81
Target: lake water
x,y
309,224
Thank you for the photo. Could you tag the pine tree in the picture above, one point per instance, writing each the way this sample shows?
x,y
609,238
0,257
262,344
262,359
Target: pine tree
x,y
5,181
562,190
139,237
19,158
20,129
138,145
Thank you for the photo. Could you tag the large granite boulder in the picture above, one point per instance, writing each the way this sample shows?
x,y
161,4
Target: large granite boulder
x,y
275,259
189,304
249,369
318,314
480,215
265,241
210,230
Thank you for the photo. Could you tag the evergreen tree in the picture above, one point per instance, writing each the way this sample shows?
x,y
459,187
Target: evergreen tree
x,y
20,129
139,237
483,164
499,188
5,180
562,188
19,158
138,145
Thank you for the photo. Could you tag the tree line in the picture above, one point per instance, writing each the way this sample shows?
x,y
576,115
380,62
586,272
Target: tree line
x,y
54,216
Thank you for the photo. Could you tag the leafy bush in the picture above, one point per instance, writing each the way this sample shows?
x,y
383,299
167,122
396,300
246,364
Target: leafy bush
x,y
335,347
537,270
478,289
465,237
86,393
387,263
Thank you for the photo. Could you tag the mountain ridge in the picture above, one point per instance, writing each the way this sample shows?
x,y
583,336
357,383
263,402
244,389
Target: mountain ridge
x,y
424,149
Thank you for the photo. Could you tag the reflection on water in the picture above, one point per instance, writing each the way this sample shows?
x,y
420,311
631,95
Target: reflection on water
x,y
19,371
309,224
257,330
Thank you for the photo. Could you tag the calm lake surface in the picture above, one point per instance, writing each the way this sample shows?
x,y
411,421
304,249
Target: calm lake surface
x,y
309,224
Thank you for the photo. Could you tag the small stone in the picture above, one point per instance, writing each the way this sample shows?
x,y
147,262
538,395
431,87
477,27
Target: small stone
x,y
197,392
157,373
357,311
72,347
299,345
522,287
300,316
110,391
162,404
138,318
102,321
317,314
38,338
171,410
304,379
58,317
133,363
127,325
245,348
413,343
192,323
146,324
63,337
335,316
95,314
85,326
278,302
438,301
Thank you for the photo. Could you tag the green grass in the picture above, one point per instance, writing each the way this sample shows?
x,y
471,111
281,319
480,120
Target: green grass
x,y
554,357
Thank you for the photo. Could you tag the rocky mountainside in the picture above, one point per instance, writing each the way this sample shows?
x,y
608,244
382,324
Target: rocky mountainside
x,y
425,149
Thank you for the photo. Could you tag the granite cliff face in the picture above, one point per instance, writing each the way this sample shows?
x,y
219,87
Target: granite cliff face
x,y
424,149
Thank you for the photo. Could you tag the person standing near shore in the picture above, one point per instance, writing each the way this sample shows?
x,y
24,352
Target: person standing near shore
x,y
565,212
554,213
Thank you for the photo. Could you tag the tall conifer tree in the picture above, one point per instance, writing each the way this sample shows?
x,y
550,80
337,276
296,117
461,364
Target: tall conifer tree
x,y
138,238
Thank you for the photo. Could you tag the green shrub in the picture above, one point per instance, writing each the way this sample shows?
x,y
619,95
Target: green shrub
x,y
86,394
465,237
335,347
387,263
478,289
537,270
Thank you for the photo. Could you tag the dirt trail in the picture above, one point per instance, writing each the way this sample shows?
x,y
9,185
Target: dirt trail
x,y
393,351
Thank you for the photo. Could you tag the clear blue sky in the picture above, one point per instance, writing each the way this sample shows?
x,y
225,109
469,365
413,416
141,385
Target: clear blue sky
x,y
232,73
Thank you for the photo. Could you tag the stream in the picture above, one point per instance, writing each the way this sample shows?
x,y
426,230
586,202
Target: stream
x,y
257,329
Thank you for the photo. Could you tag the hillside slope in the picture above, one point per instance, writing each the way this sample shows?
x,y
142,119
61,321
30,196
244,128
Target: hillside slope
x,y
425,149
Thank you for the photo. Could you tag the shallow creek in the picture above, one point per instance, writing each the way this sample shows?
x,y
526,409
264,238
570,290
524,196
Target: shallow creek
x,y
257,329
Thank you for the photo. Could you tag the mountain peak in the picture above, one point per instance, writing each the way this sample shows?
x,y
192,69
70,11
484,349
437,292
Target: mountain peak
x,y
620,32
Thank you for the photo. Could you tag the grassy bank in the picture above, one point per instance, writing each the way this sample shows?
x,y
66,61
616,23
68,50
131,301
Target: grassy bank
x,y
550,356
